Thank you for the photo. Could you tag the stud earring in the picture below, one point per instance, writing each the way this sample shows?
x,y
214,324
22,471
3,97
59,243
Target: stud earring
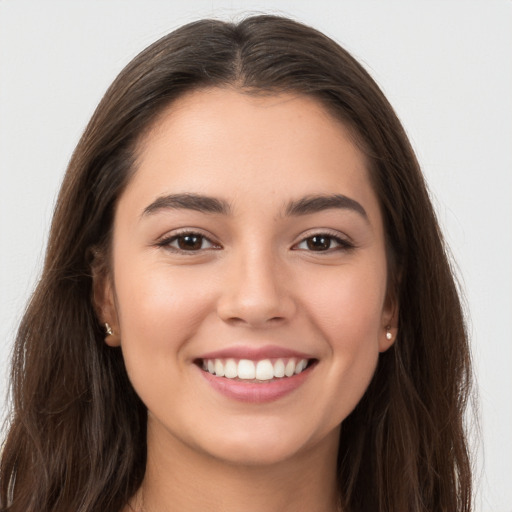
x,y
108,329
388,333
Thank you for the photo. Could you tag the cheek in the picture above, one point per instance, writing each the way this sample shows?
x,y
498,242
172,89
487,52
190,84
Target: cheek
x,y
347,308
160,309
347,303
350,317
159,306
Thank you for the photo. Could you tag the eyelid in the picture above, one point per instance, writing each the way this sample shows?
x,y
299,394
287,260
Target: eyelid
x,y
344,242
165,240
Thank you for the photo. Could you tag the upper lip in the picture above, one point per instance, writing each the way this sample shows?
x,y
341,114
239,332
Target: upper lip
x,y
255,353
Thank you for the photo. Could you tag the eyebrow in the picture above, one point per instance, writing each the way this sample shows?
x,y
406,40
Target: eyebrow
x,y
206,204
197,202
317,203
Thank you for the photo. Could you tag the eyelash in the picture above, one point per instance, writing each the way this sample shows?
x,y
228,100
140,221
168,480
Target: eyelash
x,y
342,244
166,242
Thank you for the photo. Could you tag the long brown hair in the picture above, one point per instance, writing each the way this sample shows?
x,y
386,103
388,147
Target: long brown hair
x,y
77,432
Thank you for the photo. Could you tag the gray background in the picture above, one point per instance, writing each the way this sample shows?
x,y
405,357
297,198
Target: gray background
x,y
446,66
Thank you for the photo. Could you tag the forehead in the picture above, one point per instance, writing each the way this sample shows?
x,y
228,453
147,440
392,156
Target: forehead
x,y
237,117
242,147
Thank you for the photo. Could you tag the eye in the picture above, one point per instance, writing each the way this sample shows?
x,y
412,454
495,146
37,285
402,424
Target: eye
x,y
188,242
323,242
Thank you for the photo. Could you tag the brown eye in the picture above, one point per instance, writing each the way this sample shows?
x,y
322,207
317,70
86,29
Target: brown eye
x,y
187,242
324,242
319,243
190,242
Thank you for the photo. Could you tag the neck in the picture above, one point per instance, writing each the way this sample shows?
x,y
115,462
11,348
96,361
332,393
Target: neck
x,y
180,478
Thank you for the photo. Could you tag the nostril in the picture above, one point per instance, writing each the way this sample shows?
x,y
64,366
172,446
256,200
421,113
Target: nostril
x,y
254,302
273,319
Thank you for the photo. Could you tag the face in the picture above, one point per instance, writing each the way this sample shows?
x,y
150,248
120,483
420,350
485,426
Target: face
x,y
248,284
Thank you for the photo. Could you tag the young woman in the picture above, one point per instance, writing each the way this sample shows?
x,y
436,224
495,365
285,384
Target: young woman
x,y
246,303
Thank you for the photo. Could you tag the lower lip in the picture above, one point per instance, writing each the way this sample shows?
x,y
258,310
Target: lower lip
x,y
256,393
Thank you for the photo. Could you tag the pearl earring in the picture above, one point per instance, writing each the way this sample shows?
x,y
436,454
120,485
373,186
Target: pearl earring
x,y
388,333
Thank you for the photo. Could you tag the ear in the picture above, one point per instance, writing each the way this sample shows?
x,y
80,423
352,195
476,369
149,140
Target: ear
x,y
104,303
389,325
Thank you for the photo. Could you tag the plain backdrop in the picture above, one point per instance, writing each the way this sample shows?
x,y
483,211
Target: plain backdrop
x,y
446,66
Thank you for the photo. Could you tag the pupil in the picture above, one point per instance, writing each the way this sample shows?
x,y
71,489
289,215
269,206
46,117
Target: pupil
x,y
190,242
321,243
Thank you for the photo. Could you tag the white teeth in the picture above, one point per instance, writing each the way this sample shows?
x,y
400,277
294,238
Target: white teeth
x,y
264,370
219,368
300,366
288,371
231,369
279,368
246,369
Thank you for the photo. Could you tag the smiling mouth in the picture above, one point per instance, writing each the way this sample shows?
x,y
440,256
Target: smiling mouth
x,y
261,371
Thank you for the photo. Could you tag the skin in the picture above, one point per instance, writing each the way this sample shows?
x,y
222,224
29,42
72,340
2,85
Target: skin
x,y
253,281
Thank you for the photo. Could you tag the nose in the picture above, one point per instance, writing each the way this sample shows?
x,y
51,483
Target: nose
x,y
256,291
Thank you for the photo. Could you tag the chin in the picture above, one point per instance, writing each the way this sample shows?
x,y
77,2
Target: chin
x,y
265,446
255,454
